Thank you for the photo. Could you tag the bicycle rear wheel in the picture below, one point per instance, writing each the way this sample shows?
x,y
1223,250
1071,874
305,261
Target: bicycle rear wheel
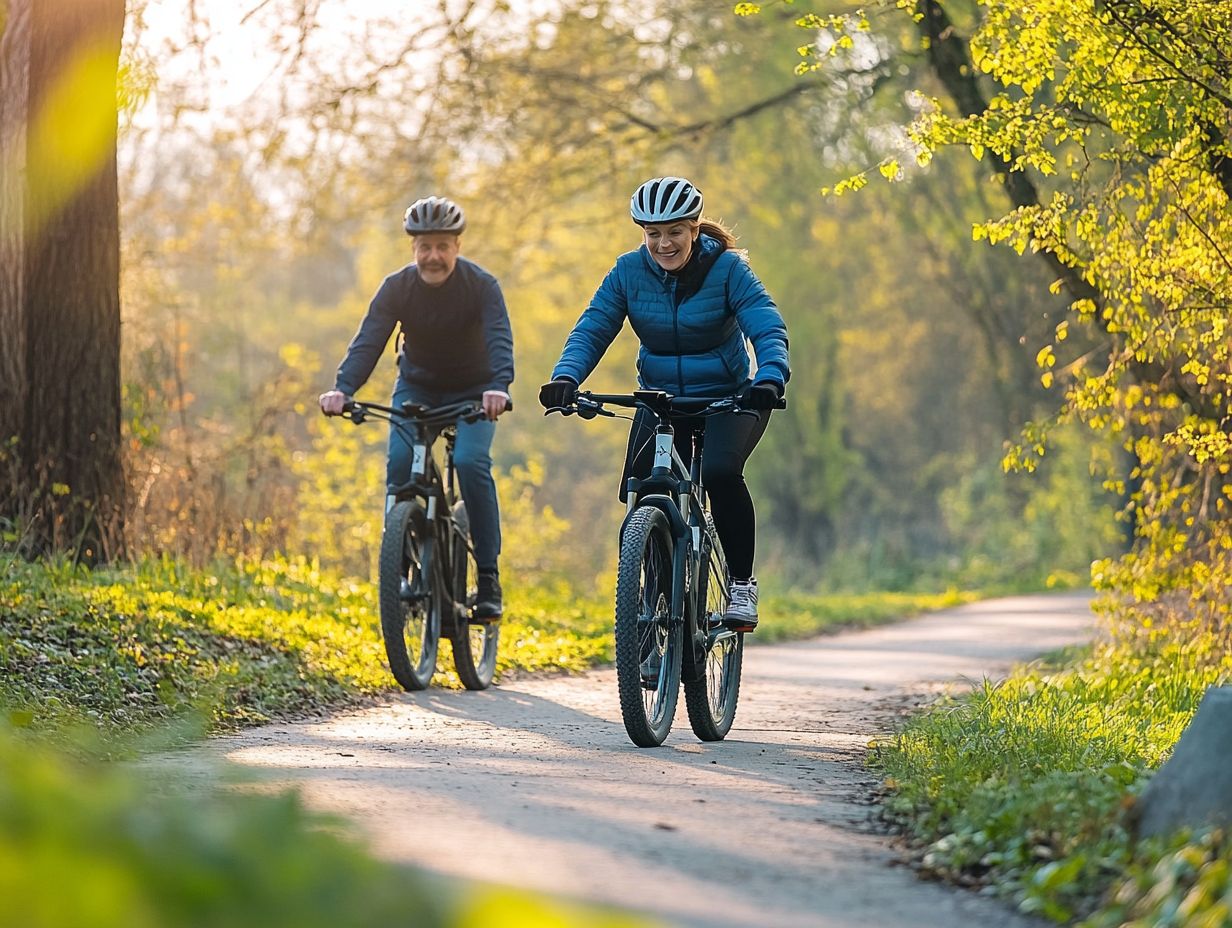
x,y
410,608
648,642
711,699
474,645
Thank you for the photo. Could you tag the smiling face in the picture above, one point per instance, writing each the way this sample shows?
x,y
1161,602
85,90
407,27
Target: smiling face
x,y
671,243
436,255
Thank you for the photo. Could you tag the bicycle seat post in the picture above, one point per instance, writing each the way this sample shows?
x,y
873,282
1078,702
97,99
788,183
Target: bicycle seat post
x,y
695,462
451,436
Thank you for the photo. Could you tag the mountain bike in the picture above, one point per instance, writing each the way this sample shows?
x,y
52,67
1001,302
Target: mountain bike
x,y
672,585
428,577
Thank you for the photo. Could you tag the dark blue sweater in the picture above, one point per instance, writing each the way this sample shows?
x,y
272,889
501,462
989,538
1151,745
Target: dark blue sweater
x,y
456,338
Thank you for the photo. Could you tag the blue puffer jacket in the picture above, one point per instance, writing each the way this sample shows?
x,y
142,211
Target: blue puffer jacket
x,y
692,326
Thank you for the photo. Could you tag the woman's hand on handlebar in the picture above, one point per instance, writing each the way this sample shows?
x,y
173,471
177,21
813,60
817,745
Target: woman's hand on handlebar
x,y
557,393
761,396
332,402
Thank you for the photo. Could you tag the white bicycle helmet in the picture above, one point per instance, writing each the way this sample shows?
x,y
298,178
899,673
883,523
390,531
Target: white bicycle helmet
x,y
434,214
665,199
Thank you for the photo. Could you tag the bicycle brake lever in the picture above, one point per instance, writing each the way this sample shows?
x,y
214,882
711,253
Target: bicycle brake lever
x,y
591,409
563,410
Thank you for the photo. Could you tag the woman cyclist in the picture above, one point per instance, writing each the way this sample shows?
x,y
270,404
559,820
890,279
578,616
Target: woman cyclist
x,y
693,302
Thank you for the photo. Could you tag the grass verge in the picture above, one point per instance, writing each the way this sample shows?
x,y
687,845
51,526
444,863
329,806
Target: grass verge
x,y
1024,785
123,648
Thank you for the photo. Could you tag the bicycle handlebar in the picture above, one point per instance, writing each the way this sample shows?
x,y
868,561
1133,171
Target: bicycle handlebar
x,y
588,405
464,410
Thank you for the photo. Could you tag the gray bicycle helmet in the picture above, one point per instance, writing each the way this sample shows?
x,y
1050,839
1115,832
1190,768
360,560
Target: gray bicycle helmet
x,y
434,214
665,199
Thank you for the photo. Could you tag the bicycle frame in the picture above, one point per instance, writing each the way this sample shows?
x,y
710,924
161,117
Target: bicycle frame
x,y
438,491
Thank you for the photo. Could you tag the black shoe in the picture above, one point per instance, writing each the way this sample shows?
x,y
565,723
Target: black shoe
x,y
488,606
650,669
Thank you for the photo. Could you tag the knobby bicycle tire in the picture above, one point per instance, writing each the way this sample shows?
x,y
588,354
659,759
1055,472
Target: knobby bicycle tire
x,y
711,699
411,627
644,628
474,645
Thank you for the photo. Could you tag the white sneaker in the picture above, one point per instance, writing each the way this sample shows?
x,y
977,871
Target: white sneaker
x,y
741,615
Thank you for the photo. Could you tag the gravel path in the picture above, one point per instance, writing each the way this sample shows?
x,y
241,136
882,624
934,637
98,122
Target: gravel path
x,y
535,784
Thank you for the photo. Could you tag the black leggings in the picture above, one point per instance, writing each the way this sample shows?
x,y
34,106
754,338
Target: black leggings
x,y
729,440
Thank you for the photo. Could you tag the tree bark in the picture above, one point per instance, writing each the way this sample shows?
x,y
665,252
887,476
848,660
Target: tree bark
x,y
67,320
14,113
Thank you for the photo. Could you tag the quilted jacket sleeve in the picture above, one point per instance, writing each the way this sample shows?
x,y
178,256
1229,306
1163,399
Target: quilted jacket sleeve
x,y
595,329
760,321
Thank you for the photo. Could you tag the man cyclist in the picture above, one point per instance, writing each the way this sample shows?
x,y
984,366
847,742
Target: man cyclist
x,y
455,344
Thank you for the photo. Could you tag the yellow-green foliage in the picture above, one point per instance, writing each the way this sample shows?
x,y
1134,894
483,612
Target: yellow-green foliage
x,y
131,645
1024,784
99,846
1184,882
242,643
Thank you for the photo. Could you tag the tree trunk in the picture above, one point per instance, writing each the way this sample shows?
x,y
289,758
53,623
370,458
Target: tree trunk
x,y
67,320
14,112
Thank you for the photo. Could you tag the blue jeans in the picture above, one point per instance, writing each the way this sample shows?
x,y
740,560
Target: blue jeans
x,y
472,460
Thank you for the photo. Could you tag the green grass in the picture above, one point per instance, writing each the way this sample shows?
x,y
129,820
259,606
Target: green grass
x,y
125,648
1024,785
122,648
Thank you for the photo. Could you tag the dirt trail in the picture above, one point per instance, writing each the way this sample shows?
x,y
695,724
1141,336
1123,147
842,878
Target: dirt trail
x,y
535,784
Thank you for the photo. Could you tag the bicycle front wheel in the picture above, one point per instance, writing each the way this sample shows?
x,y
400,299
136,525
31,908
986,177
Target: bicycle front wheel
x,y
474,645
410,608
711,699
648,642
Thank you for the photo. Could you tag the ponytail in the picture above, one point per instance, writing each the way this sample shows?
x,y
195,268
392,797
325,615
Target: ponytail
x,y
717,230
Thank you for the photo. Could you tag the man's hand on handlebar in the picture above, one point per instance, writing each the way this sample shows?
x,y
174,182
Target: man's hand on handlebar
x,y
332,402
495,402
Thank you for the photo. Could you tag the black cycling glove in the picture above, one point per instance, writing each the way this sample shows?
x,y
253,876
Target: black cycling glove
x,y
557,393
761,396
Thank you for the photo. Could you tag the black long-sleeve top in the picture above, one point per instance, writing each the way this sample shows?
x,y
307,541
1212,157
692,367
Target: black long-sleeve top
x,y
456,338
